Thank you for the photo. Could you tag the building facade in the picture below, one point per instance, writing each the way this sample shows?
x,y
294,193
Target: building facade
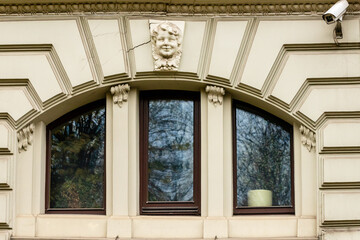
x,y
277,60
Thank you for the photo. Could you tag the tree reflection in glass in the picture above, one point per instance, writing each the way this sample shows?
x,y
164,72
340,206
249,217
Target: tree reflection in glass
x,y
77,161
170,150
263,158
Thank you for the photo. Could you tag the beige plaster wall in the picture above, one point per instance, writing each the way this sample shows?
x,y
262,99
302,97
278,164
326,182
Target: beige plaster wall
x,y
286,65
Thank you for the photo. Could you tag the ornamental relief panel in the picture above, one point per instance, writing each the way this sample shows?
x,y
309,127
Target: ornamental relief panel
x,y
215,94
120,93
308,138
166,44
25,137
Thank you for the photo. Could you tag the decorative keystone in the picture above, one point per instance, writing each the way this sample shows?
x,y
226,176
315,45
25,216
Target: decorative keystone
x,y
120,93
308,138
166,42
215,94
24,137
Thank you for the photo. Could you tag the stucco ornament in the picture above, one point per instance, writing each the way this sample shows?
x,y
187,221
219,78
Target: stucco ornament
x,y
24,137
215,94
166,41
308,138
120,93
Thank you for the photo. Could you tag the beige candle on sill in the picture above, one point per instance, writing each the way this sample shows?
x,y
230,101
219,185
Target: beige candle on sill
x,y
260,198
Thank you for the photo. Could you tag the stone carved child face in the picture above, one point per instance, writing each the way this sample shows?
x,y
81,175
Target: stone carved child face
x,y
166,44
166,39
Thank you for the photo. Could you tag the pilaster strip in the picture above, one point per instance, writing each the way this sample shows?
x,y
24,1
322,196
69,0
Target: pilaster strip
x,y
120,93
308,138
215,94
24,137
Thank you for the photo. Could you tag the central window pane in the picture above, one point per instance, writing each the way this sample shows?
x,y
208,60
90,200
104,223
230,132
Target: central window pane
x,y
170,153
171,150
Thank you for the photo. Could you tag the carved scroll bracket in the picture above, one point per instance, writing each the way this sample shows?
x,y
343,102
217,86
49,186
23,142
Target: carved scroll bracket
x,y
308,138
24,137
120,93
215,94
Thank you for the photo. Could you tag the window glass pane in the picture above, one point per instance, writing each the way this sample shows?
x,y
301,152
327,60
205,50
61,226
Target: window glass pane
x,y
77,161
263,162
171,150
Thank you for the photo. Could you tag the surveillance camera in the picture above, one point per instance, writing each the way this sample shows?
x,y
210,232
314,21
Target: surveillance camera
x,y
336,12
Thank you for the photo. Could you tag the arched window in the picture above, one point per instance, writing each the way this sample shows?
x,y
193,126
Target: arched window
x,y
75,172
263,165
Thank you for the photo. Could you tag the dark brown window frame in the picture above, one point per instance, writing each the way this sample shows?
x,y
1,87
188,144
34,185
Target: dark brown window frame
x,y
289,128
49,127
169,208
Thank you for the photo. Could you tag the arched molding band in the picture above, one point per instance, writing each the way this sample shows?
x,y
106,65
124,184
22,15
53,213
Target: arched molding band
x,y
299,7
216,94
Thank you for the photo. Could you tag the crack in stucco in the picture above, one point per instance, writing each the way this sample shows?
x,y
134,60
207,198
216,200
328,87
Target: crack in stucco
x,y
139,45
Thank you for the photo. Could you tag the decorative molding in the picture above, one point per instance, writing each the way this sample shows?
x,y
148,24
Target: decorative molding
x,y
8,119
55,63
111,79
28,88
170,76
341,223
166,45
217,80
256,8
215,94
5,226
24,137
340,185
336,115
308,138
120,93
282,57
5,187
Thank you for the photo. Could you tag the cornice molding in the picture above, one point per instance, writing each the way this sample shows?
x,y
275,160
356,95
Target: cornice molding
x,y
120,93
24,137
308,138
229,7
215,94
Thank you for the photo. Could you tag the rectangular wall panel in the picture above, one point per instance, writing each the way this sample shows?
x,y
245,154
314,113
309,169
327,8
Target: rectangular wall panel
x,y
258,227
4,235
341,134
341,206
5,171
167,228
4,135
4,208
5,138
71,226
341,169
140,35
106,35
346,234
228,37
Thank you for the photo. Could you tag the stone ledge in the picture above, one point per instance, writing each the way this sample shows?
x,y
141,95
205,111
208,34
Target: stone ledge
x,y
271,238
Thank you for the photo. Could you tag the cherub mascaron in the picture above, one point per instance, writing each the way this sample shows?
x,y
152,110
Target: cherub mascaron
x,y
166,41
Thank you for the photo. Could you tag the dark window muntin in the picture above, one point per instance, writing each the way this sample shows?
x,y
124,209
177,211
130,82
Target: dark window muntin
x,y
168,208
286,126
49,127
